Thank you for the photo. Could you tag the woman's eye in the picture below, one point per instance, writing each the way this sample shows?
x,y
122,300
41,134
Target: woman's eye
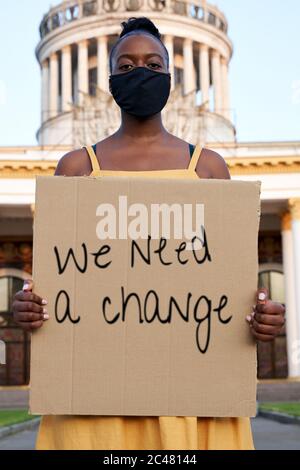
x,y
125,65
155,65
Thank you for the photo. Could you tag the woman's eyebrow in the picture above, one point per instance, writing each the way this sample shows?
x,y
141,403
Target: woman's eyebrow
x,y
151,54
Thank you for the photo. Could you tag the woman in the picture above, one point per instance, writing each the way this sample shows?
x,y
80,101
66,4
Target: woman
x,y
140,84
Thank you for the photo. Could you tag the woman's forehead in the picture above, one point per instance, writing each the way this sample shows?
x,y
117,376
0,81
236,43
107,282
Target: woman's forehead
x,y
139,45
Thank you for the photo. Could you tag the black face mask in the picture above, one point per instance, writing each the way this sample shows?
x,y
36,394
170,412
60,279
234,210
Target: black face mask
x,y
141,92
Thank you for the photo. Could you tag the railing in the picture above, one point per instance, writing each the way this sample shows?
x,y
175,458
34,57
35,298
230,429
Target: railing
x,y
74,10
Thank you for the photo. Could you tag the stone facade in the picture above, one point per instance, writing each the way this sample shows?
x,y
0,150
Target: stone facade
x,y
76,38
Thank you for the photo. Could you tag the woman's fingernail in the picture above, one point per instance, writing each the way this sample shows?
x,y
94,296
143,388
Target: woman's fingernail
x,y
45,310
261,296
44,302
26,286
46,316
248,318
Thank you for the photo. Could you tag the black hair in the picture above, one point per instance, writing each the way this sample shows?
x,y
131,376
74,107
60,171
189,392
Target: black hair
x,y
133,26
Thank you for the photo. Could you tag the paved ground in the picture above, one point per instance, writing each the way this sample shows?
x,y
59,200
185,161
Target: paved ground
x,y
268,435
22,441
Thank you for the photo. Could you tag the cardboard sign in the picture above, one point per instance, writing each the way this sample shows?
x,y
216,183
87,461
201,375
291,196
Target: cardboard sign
x,y
143,321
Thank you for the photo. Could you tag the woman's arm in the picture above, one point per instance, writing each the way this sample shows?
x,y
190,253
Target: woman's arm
x,y
268,318
29,309
212,166
74,163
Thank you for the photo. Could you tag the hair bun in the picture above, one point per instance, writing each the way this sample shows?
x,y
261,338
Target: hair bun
x,y
132,24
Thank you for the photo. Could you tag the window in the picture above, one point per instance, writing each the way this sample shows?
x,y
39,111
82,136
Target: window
x,y
93,82
196,12
16,370
212,19
274,281
89,8
222,26
178,76
180,8
72,13
9,285
57,20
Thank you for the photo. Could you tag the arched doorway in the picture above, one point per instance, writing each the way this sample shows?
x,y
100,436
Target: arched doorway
x,y
17,342
272,357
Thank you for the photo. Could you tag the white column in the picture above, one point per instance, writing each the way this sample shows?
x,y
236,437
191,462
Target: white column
x,y
80,9
66,67
292,331
169,43
83,70
217,84
53,99
103,67
205,10
204,74
225,88
45,90
169,7
189,82
100,8
295,212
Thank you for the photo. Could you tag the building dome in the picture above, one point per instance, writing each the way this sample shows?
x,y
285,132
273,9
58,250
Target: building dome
x,y
76,39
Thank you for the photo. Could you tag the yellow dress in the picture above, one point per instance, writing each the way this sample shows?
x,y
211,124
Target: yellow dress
x,y
144,433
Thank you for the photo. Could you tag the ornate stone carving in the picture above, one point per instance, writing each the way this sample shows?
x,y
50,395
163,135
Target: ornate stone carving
x,y
295,208
133,5
286,221
89,8
157,5
111,5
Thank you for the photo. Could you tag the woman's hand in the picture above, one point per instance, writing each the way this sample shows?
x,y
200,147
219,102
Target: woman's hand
x,y
29,309
267,318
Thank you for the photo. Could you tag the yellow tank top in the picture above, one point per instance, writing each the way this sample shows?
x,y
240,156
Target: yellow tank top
x,y
189,172
150,432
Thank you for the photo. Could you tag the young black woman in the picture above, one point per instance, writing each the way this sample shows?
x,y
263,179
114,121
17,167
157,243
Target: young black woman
x,y
140,84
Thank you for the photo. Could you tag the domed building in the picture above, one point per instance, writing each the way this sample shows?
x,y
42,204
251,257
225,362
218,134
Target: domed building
x,y
76,39
77,109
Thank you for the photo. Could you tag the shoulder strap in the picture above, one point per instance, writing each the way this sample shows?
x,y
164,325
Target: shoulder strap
x,y
94,161
195,158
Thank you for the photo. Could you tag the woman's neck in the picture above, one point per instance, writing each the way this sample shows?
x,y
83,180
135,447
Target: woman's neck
x,y
143,131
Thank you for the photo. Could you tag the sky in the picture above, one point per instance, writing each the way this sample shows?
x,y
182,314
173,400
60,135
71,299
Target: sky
x,y
264,71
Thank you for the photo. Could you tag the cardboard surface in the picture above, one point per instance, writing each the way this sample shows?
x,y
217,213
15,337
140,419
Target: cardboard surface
x,y
181,345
